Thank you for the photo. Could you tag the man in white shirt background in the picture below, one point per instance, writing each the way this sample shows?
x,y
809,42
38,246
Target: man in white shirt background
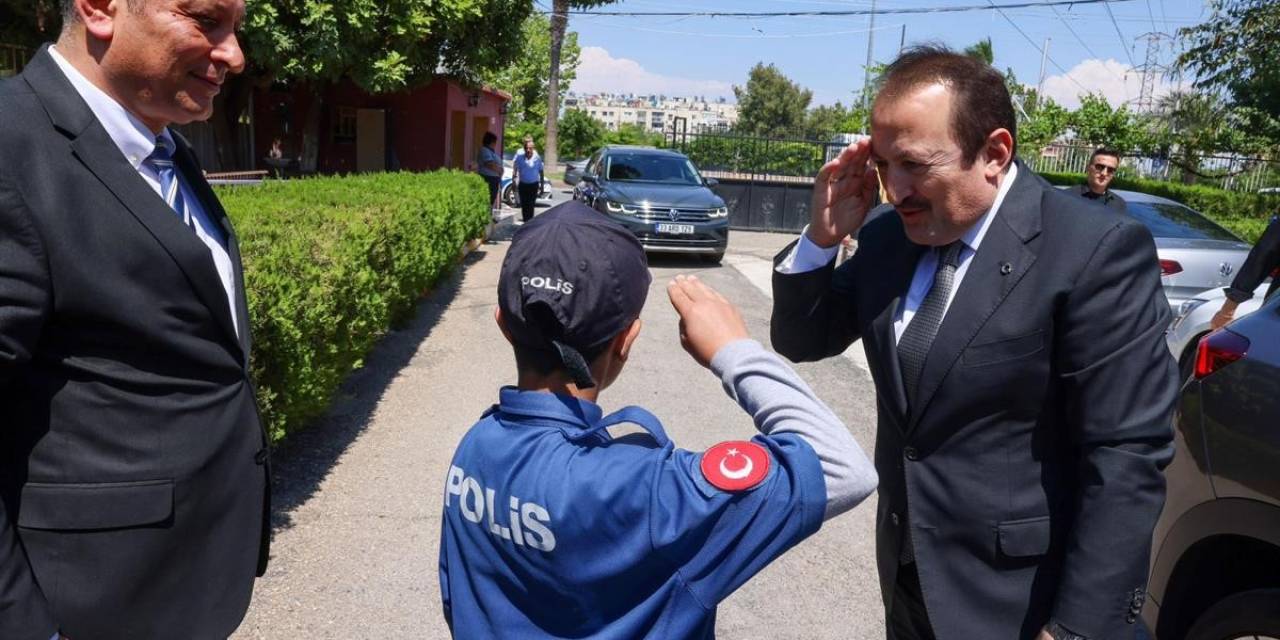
x,y
133,463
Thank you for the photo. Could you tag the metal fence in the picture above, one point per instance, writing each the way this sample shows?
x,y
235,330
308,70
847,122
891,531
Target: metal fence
x,y
786,159
767,183
1232,172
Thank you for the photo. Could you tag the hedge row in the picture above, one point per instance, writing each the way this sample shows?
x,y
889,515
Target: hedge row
x,y
332,263
1245,214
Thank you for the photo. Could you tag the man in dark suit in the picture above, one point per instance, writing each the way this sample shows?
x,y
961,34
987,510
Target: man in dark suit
x,y
132,457
1016,339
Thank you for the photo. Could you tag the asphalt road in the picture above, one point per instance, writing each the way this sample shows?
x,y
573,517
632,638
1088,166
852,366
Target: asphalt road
x,y
358,496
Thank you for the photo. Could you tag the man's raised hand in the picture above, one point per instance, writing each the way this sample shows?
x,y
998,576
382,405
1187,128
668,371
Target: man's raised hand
x,y
707,320
843,192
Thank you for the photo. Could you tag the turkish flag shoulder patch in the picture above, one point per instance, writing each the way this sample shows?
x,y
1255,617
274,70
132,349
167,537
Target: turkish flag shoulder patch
x,y
735,466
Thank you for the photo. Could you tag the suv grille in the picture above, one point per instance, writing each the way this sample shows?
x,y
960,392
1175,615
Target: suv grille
x,y
681,215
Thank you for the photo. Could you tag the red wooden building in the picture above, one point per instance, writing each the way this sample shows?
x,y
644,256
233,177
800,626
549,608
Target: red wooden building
x,y
434,126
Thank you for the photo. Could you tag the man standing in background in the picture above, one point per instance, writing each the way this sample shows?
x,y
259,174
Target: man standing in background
x,y
526,171
1099,174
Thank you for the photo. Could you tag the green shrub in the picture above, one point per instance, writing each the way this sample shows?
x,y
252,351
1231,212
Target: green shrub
x,y
1245,214
331,264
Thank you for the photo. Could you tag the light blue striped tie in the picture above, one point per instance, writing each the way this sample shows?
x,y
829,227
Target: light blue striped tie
x,y
162,160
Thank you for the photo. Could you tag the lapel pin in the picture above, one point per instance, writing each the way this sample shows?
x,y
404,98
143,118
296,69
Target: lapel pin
x,y
1005,268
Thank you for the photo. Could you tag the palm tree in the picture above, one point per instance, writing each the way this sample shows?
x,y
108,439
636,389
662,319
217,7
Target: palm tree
x,y
559,24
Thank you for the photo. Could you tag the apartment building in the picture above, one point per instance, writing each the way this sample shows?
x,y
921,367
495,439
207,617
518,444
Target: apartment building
x,y
655,113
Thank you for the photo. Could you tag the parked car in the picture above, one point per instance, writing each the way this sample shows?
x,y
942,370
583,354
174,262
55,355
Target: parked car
x,y
507,189
573,171
1215,572
1192,322
660,196
1196,253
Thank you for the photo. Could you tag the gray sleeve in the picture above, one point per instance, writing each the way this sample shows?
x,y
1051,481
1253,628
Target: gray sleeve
x,y
780,402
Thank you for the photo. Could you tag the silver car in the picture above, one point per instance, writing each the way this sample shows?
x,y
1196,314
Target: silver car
x,y
1196,253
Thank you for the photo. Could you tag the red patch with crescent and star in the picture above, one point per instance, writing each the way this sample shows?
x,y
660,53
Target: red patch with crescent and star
x,y
735,466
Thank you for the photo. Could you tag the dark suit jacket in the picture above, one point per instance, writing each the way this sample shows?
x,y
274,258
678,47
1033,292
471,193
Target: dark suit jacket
x,y
1263,260
1030,473
132,456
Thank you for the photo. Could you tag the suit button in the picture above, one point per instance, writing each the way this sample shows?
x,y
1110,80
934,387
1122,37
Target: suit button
x,y
1131,618
894,519
911,453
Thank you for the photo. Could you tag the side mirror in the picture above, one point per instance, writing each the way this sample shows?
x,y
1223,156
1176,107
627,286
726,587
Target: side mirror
x,y
590,179
710,182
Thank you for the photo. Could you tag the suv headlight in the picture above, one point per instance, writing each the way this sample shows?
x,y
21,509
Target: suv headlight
x,y
722,212
618,207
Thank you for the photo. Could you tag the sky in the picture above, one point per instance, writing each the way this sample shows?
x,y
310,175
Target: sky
x,y
685,56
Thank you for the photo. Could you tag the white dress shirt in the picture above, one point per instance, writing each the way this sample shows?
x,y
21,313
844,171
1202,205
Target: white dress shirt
x,y
136,142
808,256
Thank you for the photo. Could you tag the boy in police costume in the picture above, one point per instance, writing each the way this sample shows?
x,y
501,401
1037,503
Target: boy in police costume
x,y
554,529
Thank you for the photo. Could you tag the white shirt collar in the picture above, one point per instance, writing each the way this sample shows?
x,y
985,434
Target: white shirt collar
x,y
132,137
973,237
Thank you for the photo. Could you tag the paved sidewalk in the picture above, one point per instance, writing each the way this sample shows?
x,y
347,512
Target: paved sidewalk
x,y
358,497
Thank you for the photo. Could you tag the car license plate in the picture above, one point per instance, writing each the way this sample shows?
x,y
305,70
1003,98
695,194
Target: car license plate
x,y
683,229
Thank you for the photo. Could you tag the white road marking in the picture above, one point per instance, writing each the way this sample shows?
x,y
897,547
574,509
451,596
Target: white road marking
x,y
759,272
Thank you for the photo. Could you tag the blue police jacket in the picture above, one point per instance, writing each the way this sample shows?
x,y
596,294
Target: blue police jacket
x,y
554,529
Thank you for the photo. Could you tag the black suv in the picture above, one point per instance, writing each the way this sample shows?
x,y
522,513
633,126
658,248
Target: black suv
x,y
1215,572
660,196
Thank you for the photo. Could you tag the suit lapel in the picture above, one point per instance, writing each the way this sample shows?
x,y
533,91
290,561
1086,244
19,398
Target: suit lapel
x,y
186,161
881,343
1001,261
96,150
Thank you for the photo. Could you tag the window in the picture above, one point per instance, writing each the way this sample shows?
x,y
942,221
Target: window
x,y
344,125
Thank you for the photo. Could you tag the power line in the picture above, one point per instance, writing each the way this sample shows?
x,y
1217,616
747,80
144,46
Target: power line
x,y
759,36
1123,40
845,12
999,9
1152,15
1083,43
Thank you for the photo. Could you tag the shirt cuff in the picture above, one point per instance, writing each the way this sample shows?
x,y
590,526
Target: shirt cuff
x,y
807,256
1236,295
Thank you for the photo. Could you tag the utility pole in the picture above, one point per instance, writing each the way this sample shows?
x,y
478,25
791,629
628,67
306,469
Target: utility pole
x,y
902,42
1044,55
866,76
1151,70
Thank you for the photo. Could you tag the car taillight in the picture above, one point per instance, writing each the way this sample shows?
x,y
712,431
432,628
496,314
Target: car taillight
x,y
1170,267
1219,349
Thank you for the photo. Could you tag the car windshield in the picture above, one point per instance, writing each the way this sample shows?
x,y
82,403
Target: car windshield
x,y
639,167
1168,220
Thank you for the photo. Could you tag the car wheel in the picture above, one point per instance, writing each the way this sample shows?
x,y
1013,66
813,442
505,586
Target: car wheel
x,y
714,258
1244,615
509,195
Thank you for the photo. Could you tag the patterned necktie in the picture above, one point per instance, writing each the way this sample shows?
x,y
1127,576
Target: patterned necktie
x,y
923,328
162,160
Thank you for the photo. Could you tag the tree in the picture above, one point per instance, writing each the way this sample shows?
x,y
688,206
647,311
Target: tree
x,y
559,25
1040,119
580,134
770,104
982,50
634,134
1236,51
824,121
1191,125
528,77
382,47
1095,123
